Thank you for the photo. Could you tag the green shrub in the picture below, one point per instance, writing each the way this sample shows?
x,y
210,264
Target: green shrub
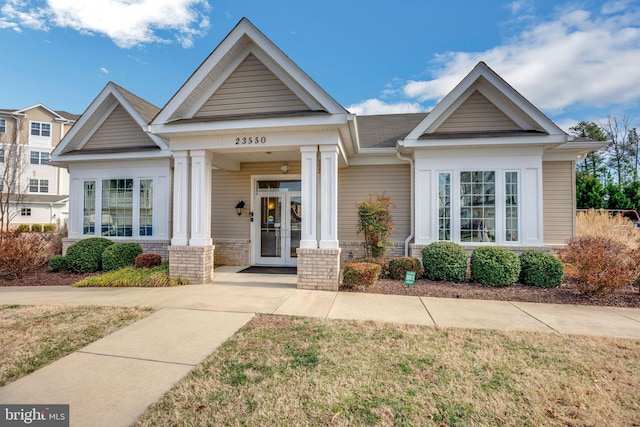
x,y
132,277
49,228
494,266
120,255
23,228
360,274
58,263
398,267
85,256
541,269
148,260
36,228
444,261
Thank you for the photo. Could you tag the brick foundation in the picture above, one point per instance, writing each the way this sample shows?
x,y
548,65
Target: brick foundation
x,y
191,263
416,250
357,250
233,252
318,269
160,247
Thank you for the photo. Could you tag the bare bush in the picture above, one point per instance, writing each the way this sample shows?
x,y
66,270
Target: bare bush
x,y
21,252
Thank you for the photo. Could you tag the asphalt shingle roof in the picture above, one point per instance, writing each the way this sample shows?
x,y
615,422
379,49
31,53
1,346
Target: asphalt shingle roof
x,y
384,130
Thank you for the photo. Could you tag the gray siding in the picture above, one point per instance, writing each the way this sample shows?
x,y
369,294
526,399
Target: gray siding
x,y
251,88
119,130
356,183
559,198
475,114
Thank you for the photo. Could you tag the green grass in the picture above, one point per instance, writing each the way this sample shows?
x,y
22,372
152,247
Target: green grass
x,y
132,277
34,336
297,371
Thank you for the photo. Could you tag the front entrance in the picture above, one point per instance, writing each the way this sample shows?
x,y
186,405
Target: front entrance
x,y
278,222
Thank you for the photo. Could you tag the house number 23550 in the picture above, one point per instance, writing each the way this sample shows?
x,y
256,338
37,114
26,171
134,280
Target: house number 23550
x,y
251,140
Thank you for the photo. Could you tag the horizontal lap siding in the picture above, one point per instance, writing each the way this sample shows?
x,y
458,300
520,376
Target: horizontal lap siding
x,y
559,201
356,183
119,130
251,88
228,188
475,114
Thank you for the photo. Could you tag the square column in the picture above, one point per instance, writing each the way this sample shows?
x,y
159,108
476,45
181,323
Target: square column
x,y
180,198
200,199
308,238
329,197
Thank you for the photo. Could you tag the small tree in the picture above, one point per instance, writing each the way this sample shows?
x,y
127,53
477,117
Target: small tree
x,y
375,221
12,166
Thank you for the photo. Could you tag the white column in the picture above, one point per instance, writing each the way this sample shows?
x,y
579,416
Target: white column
x,y
200,199
329,196
309,183
180,198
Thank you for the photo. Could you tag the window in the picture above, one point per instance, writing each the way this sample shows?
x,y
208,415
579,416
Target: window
x,y
117,207
89,208
3,125
511,206
146,207
38,185
40,129
1,155
477,206
39,158
444,206
25,211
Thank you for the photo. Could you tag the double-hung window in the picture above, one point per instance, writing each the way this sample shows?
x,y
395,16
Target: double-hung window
x,y
125,207
39,158
1,155
38,185
3,125
40,129
478,206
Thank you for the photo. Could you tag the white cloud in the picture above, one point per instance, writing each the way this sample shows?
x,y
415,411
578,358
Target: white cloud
x,y
376,106
104,70
575,59
127,22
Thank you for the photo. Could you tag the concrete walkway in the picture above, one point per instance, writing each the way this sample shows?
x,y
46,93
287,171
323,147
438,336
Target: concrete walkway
x,y
112,381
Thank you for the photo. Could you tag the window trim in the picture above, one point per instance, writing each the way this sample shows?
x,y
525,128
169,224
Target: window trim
x,y
3,125
40,130
38,184
25,211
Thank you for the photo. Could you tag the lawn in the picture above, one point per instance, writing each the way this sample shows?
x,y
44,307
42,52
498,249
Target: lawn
x,y
297,371
34,336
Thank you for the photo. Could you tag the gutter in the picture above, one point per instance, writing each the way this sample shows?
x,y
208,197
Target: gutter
x,y
411,162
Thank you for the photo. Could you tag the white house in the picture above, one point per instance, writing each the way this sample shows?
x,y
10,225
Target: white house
x,y
252,163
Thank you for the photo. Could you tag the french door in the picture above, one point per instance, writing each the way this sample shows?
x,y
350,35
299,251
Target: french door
x,y
279,224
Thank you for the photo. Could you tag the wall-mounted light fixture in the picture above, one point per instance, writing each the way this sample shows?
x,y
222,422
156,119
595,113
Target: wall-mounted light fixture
x,y
239,207
284,168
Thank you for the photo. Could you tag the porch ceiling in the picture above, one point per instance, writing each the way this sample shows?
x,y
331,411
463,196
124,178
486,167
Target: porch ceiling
x,y
231,160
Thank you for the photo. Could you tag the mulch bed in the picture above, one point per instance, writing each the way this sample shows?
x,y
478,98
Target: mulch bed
x,y
628,296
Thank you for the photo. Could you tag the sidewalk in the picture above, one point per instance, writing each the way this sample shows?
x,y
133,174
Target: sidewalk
x,y
112,381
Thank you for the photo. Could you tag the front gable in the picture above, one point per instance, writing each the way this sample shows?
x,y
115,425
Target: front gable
x,y
481,109
245,77
111,128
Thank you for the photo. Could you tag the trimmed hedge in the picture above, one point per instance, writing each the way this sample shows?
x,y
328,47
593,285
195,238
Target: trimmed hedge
x,y
148,260
85,256
36,228
398,267
49,228
360,274
58,263
541,269
120,255
444,261
23,228
494,266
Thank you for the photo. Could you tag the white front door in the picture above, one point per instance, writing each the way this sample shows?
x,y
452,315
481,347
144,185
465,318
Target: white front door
x,y
278,223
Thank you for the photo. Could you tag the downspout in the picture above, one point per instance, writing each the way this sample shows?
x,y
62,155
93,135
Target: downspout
x,y
412,221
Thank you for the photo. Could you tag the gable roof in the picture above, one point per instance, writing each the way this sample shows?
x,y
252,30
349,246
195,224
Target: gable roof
x,y
113,104
58,115
244,49
501,111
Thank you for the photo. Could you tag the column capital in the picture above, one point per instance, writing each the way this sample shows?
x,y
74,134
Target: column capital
x,y
308,148
329,149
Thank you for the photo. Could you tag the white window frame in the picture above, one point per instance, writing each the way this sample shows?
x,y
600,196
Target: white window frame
x,y
3,125
40,129
39,185
42,157
25,211
519,205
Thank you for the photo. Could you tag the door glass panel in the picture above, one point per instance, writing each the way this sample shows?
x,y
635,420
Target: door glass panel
x,y
270,226
296,225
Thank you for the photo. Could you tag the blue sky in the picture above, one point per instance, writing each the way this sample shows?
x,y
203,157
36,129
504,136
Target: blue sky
x,y
575,60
